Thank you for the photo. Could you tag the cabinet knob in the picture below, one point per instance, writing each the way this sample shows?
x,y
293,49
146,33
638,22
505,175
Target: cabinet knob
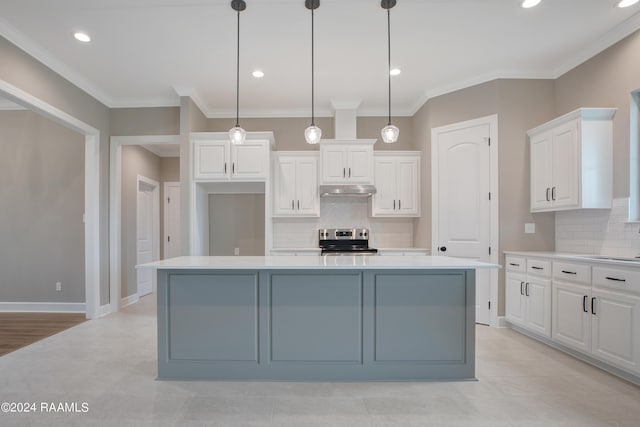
x,y
442,249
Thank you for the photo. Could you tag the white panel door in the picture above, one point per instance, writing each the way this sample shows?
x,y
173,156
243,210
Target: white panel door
x,y
360,165
144,232
384,200
284,185
514,298
172,220
541,174
571,318
538,294
307,197
408,177
616,328
463,205
334,164
211,160
566,164
249,160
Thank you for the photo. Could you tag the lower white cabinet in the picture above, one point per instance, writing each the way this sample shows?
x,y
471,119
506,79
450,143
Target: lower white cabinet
x,y
571,317
528,296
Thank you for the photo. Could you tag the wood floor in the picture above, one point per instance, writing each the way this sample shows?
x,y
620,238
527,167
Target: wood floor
x,y
21,329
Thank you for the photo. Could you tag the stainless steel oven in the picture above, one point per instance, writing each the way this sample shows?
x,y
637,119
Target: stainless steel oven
x,y
345,241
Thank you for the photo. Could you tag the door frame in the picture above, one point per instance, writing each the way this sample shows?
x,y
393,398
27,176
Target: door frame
x,y
155,226
91,217
494,239
115,205
165,207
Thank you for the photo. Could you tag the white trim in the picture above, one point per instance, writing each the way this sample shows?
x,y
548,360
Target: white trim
x,y
91,186
42,307
155,224
502,322
165,206
634,157
104,310
115,205
131,299
494,238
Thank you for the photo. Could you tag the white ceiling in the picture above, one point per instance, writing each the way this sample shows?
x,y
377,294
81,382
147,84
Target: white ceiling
x,y
146,52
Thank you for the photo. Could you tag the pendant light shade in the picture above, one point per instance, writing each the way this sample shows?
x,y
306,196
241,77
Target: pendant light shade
x,y
237,135
313,133
390,132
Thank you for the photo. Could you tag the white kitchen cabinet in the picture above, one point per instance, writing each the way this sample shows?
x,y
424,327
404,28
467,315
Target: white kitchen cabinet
x,y
571,161
295,182
219,160
528,296
397,181
346,161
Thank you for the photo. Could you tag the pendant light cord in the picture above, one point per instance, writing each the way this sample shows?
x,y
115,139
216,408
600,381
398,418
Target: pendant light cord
x,y
312,73
389,57
238,75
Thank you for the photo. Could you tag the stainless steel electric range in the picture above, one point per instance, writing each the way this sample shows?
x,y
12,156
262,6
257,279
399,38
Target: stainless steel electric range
x,y
345,241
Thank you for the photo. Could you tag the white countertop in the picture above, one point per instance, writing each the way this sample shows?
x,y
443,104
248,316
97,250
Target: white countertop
x,y
589,258
320,262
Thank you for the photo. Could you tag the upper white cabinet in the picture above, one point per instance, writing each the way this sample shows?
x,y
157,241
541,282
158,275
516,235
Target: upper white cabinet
x,y
295,184
216,159
571,161
397,181
346,161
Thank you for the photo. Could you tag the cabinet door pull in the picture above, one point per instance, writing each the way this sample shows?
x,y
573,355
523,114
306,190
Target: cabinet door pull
x,y
514,264
233,168
225,168
293,206
526,289
593,306
394,204
548,199
399,204
584,303
569,272
298,204
535,267
344,172
615,279
553,193
349,172
521,288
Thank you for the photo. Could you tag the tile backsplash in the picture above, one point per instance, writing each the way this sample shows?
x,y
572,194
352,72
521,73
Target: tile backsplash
x,y
343,212
599,231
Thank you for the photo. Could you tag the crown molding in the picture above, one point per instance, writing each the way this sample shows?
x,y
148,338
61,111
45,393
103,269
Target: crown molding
x,y
37,52
610,38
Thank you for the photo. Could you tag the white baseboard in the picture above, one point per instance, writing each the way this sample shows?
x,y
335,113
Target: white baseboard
x,y
43,307
502,322
131,299
104,310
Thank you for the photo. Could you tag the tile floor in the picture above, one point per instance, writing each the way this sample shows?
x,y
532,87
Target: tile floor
x,y
110,363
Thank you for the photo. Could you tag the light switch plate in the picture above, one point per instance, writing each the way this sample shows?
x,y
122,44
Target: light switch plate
x,y
530,228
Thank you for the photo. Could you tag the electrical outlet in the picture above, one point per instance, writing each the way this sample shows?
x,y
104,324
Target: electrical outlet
x,y
530,228
236,251
58,286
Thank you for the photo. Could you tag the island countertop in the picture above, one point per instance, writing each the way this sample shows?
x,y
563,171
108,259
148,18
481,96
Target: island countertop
x,y
377,262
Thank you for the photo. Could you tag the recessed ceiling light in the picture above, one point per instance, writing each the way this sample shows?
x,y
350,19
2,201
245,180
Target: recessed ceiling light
x,y
627,3
530,3
258,74
395,71
83,37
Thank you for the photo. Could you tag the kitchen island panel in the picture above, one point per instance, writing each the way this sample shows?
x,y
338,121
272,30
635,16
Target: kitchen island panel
x,y
421,318
213,317
316,317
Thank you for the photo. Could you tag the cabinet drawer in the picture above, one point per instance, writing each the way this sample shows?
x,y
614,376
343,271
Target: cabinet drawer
x,y
570,272
539,267
516,264
617,278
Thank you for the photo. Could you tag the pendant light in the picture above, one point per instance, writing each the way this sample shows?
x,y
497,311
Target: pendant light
x,y
389,132
313,133
237,135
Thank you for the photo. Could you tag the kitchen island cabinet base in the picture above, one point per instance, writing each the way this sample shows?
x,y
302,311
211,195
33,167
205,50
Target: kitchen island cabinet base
x,y
316,325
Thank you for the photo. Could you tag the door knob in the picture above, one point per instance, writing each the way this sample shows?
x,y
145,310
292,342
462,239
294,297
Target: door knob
x,y
442,249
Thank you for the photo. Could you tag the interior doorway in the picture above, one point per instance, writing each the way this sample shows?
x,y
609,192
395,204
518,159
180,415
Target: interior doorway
x,y
465,202
171,236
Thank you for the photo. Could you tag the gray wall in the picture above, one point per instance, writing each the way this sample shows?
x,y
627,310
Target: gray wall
x,y
236,221
135,161
41,208
21,70
606,80
145,121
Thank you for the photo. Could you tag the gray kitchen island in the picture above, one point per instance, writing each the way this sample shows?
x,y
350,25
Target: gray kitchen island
x,y
341,318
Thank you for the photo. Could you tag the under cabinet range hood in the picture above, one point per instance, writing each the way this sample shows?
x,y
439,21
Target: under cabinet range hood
x,y
356,190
